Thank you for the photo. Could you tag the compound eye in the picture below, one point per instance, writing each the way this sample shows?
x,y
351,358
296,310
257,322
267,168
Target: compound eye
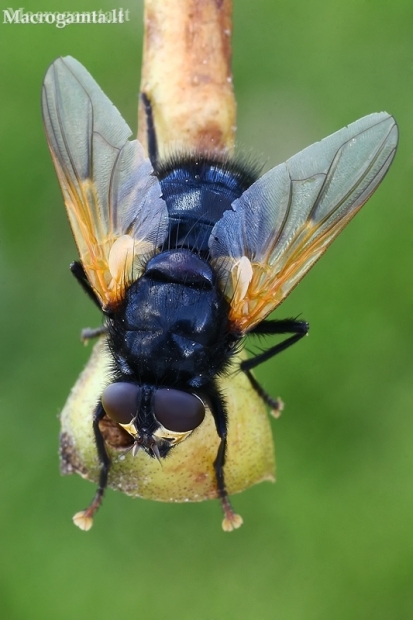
x,y
178,411
120,401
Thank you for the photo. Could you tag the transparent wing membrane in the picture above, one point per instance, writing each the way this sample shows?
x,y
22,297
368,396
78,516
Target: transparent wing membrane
x,y
113,202
284,222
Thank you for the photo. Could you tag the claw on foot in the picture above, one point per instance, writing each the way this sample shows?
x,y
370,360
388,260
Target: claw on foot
x,y
83,520
277,408
231,521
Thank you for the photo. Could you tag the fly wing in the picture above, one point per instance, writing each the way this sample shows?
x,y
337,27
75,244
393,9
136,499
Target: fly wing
x,y
284,222
113,202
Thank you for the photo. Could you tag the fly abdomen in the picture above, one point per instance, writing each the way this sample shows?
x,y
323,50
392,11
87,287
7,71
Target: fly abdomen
x,y
197,191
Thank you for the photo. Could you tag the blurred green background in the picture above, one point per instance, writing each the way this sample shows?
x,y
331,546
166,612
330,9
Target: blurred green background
x,y
333,538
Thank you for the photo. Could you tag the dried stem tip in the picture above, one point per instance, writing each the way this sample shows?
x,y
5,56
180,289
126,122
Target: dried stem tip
x,y
186,74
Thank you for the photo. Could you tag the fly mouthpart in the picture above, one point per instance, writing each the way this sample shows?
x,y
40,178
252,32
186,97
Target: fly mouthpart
x,y
155,450
135,449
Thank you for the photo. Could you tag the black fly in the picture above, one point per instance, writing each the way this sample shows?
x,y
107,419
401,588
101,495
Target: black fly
x,y
187,257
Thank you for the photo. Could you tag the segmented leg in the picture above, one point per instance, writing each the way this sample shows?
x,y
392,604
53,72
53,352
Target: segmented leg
x,y
231,520
270,327
84,519
77,269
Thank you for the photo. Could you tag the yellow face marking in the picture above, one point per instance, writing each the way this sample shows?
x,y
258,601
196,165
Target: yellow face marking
x,y
171,436
161,433
131,429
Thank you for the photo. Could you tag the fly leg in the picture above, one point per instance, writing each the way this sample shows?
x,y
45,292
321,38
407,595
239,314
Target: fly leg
x,y
78,271
231,520
299,329
88,333
84,519
275,405
150,131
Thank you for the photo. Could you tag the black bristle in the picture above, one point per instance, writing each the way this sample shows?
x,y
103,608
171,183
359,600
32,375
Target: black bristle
x,y
244,168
